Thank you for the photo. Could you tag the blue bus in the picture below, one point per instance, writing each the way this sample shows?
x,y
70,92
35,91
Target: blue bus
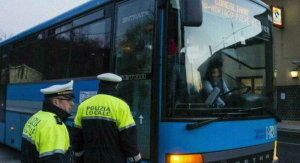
x,y
164,50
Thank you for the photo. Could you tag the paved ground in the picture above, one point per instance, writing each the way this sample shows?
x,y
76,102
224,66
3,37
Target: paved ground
x,y
9,155
292,126
288,147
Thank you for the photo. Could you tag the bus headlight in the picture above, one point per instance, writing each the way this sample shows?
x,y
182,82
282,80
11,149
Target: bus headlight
x,y
188,158
275,158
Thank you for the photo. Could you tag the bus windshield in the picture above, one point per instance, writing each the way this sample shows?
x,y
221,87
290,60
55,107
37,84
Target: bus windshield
x,y
221,66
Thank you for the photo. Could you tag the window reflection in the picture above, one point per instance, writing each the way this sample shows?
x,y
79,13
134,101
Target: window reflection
x,y
139,100
133,49
63,28
134,34
78,53
91,49
58,53
27,61
211,59
4,80
88,18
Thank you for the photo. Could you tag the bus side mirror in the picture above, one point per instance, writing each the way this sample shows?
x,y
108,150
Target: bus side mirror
x,y
191,13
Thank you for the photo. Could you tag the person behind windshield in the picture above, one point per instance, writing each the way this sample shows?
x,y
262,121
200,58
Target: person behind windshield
x,y
214,79
178,91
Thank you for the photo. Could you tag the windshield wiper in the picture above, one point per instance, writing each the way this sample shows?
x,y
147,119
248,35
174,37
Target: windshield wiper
x,y
266,109
203,123
230,115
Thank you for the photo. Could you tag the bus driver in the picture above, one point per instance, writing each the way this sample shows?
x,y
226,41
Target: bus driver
x,y
214,79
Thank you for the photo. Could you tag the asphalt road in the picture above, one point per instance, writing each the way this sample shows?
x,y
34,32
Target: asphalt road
x,y
9,155
288,150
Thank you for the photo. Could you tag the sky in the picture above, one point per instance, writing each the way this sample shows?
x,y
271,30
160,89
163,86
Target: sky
x,y
17,16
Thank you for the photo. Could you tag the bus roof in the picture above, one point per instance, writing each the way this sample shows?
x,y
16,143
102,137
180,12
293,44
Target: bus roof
x,y
56,20
261,3
69,14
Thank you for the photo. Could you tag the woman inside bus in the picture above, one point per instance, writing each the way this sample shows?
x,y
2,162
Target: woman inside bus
x,y
214,79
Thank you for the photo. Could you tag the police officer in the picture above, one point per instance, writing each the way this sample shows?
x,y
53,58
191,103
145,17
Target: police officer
x,y
45,136
104,130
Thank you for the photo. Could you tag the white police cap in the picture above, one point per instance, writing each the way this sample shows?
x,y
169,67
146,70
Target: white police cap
x,y
109,77
59,90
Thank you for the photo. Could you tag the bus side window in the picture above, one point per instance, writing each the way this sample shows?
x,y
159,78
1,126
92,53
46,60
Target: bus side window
x,y
27,60
56,59
91,49
82,52
3,82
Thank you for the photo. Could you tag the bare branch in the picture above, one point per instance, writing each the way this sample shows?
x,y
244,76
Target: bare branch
x,y
5,35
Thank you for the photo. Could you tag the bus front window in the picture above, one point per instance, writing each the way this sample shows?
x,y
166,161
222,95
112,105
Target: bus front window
x,y
221,65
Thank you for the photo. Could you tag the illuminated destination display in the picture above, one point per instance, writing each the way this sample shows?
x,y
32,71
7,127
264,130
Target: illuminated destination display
x,y
277,16
230,10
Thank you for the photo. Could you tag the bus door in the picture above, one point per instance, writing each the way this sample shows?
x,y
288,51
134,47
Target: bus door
x,y
133,52
3,84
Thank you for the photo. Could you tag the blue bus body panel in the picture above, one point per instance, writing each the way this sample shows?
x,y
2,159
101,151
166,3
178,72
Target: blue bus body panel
x,y
13,137
2,133
67,15
217,136
32,91
17,121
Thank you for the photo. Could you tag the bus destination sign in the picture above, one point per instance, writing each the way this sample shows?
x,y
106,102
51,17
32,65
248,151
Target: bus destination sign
x,y
228,9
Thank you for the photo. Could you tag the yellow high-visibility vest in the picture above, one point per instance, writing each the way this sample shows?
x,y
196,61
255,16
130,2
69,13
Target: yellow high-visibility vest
x,y
105,107
47,133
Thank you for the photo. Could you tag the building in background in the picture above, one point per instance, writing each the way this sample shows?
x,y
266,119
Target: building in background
x,y
286,50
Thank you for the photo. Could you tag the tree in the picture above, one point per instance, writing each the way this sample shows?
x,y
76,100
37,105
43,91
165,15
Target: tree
x,y
4,35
